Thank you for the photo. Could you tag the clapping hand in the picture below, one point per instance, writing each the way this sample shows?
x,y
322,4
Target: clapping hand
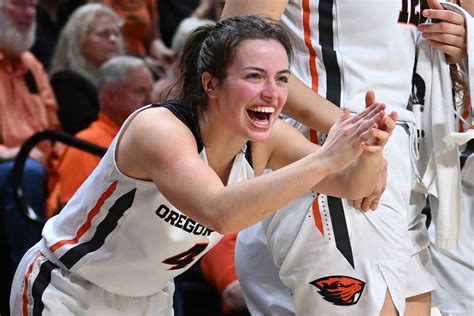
x,y
375,144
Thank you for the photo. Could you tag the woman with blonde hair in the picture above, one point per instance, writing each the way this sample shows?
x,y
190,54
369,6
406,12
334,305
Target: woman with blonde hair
x,y
90,37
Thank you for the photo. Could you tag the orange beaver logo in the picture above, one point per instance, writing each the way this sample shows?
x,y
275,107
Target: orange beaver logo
x,y
339,289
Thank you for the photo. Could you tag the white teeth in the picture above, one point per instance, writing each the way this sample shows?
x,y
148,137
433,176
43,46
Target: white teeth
x,y
264,109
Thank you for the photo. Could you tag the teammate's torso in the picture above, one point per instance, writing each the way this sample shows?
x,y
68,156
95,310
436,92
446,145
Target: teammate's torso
x,y
346,47
123,235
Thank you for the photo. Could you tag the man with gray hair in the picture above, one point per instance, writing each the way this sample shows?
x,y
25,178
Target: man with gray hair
x,y
125,84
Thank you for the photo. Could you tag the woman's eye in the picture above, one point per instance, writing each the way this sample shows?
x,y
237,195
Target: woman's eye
x,y
254,76
283,79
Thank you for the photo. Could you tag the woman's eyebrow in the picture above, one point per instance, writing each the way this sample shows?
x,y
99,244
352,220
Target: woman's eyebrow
x,y
286,71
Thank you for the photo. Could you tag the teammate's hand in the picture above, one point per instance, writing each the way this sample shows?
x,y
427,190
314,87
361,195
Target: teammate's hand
x,y
346,138
378,136
448,34
372,201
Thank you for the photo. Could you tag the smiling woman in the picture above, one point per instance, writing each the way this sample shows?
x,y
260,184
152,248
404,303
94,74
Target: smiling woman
x,y
253,83
181,173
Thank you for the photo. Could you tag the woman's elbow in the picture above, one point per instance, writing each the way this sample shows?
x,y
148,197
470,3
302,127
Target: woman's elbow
x,y
224,229
221,225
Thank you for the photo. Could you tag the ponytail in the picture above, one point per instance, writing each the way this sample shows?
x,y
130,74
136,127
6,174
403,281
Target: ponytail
x,y
189,86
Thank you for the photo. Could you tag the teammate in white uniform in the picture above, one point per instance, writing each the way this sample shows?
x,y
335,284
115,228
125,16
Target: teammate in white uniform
x,y
177,177
455,268
335,259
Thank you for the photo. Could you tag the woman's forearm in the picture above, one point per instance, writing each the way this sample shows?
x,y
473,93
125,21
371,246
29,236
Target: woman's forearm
x,y
361,177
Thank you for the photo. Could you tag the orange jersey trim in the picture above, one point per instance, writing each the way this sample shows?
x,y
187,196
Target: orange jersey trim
x,y
307,42
317,215
90,216
25,289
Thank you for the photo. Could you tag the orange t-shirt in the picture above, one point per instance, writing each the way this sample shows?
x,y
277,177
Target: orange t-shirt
x,y
27,102
75,165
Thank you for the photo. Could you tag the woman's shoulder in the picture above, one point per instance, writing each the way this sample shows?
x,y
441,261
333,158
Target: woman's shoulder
x,y
159,115
187,115
161,121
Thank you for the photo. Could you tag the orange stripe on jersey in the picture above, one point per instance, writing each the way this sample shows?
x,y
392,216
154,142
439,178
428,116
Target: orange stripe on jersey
x,y
309,46
90,216
313,136
25,288
317,215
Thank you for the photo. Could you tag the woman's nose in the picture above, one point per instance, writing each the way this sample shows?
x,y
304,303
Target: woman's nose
x,y
269,93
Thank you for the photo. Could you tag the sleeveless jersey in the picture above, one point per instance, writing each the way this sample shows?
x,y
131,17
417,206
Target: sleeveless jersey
x,y
122,234
332,61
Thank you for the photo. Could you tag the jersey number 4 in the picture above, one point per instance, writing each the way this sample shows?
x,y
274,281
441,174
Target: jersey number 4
x,y
185,258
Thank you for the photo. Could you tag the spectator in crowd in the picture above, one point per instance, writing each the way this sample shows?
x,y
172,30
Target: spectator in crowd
x,y
90,37
124,85
27,105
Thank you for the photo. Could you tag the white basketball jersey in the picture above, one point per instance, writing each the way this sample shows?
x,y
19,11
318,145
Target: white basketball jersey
x,y
123,235
343,49
335,259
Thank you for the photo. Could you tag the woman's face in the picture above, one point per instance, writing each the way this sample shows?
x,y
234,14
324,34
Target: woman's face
x,y
252,95
102,42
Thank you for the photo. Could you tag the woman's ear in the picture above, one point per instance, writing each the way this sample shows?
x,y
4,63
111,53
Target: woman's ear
x,y
208,83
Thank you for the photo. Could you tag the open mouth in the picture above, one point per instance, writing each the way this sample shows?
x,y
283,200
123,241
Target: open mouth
x,y
261,115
